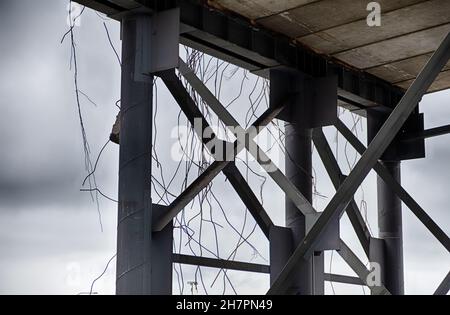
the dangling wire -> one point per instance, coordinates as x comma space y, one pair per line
93, 189
102, 274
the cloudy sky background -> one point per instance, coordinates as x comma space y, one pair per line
50, 239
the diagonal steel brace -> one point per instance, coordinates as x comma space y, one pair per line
213, 170
192, 112
336, 176
444, 287
261, 157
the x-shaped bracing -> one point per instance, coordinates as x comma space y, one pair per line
346, 190
189, 108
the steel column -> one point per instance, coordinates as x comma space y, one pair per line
298, 162
390, 230
135, 205
389, 212
139, 270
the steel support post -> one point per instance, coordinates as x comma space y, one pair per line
143, 258
390, 230
389, 212
314, 105
298, 162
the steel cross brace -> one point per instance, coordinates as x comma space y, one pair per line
236, 179
359, 268
285, 184
444, 287
216, 167
336, 176
397, 188
274, 172
208, 175
376, 148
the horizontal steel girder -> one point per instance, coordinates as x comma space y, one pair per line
239, 42
219, 263
250, 267
428, 133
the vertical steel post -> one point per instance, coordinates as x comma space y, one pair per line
390, 230
389, 211
143, 263
298, 163
313, 106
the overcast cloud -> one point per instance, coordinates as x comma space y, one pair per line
50, 238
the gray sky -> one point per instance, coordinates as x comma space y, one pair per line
50, 239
